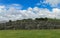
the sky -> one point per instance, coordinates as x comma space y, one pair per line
24, 9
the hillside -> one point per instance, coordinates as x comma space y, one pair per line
38, 23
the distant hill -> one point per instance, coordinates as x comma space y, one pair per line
3, 21
27, 24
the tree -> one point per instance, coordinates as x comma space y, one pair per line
10, 20
46, 18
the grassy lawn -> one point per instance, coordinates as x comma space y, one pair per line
29, 33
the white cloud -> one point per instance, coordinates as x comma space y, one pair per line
2, 6
53, 2
18, 14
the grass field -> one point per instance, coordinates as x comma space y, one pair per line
29, 33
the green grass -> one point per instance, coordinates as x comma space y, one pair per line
29, 33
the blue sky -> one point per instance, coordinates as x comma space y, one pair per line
24, 9
26, 3
29, 3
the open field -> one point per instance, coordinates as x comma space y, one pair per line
29, 33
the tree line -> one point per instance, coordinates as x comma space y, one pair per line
28, 24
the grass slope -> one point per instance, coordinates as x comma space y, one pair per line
30, 34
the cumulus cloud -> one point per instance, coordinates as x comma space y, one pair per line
13, 13
2, 6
